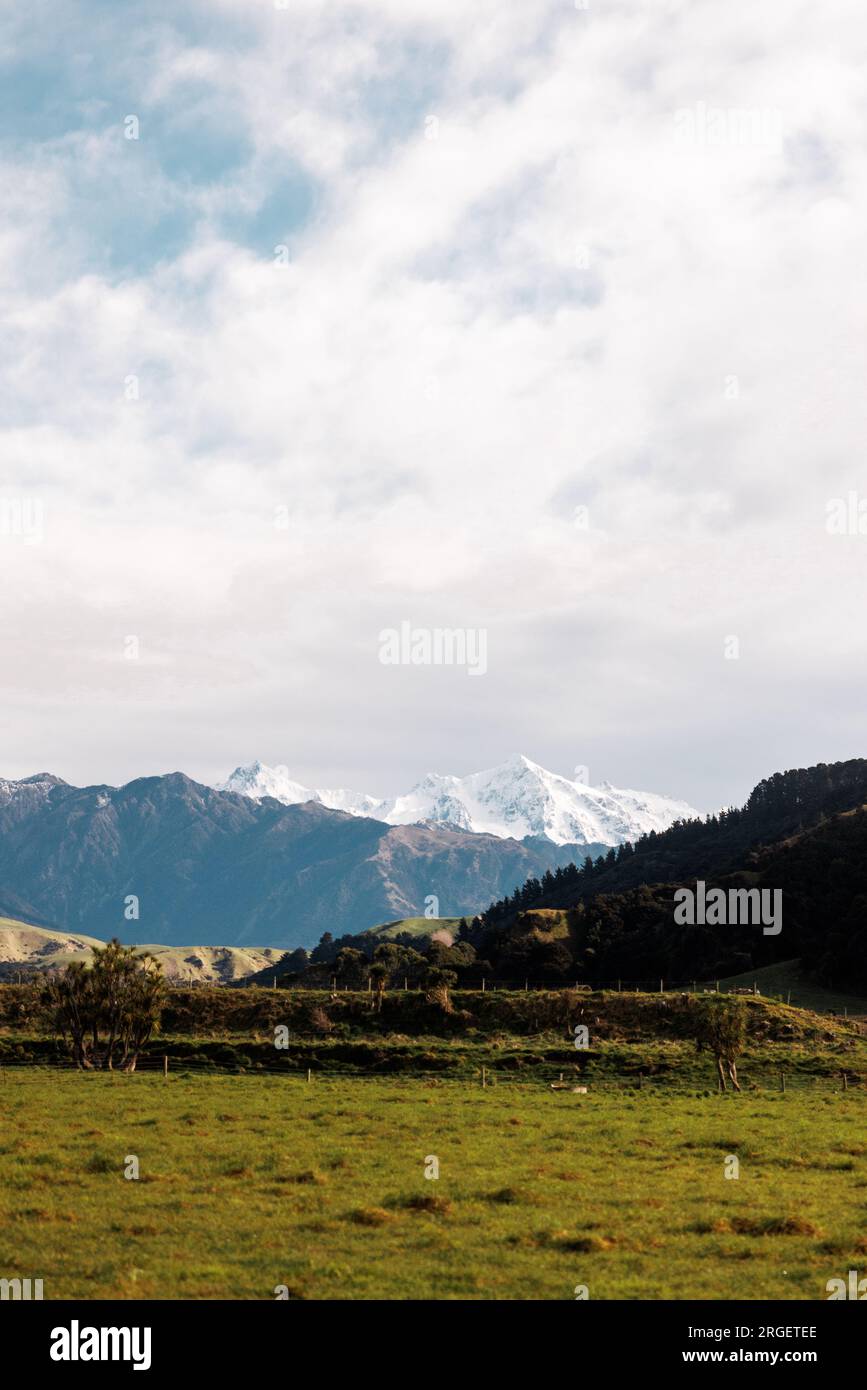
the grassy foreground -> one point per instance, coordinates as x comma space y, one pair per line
247, 1183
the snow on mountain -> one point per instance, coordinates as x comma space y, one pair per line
356, 803
257, 780
516, 799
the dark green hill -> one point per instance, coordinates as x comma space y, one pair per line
803, 832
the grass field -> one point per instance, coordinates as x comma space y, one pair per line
786, 980
421, 927
251, 1182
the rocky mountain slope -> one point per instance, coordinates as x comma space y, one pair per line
198, 864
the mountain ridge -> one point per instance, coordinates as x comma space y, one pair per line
516, 799
227, 870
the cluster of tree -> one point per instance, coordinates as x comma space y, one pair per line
778, 807
620, 905
106, 1011
354, 961
630, 936
789, 835
824, 877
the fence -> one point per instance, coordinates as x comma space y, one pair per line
487, 984
540, 1075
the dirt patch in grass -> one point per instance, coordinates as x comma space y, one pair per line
435, 1206
101, 1163
371, 1216
760, 1226
580, 1244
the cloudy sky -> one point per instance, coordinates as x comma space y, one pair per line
533, 318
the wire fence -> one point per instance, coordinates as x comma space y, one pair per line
550, 1076
335, 987
486, 985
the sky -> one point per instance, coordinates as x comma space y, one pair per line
539, 323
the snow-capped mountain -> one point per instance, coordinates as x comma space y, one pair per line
516, 799
258, 780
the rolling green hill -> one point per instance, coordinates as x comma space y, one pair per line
788, 982
419, 927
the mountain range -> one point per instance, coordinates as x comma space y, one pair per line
197, 864
516, 799
272, 863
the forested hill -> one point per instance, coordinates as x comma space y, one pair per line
802, 832
793, 833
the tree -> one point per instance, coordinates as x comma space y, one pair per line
401, 962
379, 976
721, 1026
349, 967
438, 982
108, 1010
454, 957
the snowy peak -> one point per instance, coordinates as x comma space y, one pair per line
518, 798
257, 780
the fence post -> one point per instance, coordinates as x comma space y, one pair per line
308, 1076
405, 983
717, 983
483, 984
783, 1082
845, 1082
661, 983
165, 1066
484, 1078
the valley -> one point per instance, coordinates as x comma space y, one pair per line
527, 1102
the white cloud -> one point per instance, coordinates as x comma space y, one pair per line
557, 301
